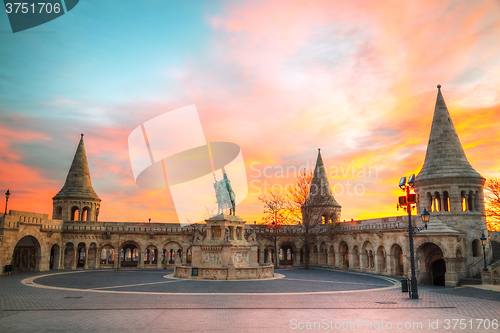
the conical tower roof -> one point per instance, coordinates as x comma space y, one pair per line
320, 192
445, 156
78, 184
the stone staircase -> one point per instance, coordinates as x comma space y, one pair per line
476, 279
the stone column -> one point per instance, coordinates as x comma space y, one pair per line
61, 257
338, 260
450, 277
184, 257
158, 258
262, 260
233, 232
141, 259
117, 264
98, 257
86, 264
296, 258
75, 257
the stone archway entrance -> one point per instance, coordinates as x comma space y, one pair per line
54, 257
438, 271
129, 256
26, 256
432, 267
286, 254
397, 260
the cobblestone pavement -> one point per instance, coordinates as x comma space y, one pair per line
147, 301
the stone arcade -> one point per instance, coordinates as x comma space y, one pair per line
449, 250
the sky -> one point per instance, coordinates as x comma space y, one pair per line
280, 79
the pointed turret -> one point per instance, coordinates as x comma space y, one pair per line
320, 192
78, 183
77, 200
445, 156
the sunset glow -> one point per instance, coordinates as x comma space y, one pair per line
278, 78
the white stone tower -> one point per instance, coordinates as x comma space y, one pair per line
77, 201
320, 198
448, 186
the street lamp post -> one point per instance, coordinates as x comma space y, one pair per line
407, 201
7, 195
483, 243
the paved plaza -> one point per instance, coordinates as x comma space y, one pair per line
296, 300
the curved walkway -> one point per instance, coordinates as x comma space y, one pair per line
287, 281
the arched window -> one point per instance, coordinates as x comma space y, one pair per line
281, 254
446, 201
75, 214
463, 200
471, 201
429, 202
437, 202
58, 215
476, 202
288, 254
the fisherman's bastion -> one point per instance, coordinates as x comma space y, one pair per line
447, 252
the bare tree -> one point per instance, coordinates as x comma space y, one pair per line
311, 204
276, 215
492, 202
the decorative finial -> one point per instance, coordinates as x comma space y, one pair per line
82, 135
439, 86
319, 149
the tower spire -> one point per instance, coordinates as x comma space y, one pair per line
445, 156
320, 192
78, 183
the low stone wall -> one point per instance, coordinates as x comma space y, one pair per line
224, 273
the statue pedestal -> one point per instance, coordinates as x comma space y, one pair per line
224, 254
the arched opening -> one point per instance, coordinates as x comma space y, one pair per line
86, 213
432, 266
189, 255
355, 255
438, 271
268, 251
26, 256
58, 215
151, 255
54, 257
398, 263
470, 201
429, 202
80, 261
344, 256
381, 259
475, 248
129, 255
107, 256
287, 254
463, 200
368, 257
75, 213
446, 201
437, 202
170, 251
